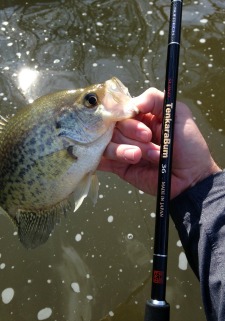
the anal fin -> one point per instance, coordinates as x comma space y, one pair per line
34, 228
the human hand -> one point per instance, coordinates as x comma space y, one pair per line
133, 153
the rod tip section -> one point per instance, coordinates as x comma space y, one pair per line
157, 312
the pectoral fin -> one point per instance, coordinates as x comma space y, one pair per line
88, 186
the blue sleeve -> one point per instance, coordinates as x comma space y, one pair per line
199, 216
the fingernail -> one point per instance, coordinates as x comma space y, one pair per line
128, 154
143, 135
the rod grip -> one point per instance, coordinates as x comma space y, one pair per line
156, 312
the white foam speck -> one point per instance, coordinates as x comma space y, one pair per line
44, 314
182, 264
89, 297
110, 219
78, 237
179, 244
56, 61
202, 40
75, 286
130, 236
2, 266
94, 64
100, 24
153, 215
111, 314
161, 32
204, 20
7, 295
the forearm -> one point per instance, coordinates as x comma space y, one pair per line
199, 216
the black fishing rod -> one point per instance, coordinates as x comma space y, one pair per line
157, 309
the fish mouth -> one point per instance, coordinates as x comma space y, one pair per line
117, 86
118, 101
120, 93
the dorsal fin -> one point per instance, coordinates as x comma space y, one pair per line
34, 228
3, 122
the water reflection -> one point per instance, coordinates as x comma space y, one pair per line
96, 264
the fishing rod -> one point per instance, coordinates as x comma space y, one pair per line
157, 309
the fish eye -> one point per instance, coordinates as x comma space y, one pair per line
90, 100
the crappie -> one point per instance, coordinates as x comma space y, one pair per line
50, 150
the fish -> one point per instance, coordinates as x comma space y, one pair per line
50, 150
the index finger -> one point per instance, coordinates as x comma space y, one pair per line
151, 101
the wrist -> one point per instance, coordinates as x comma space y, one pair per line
212, 169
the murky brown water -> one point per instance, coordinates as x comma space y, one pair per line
97, 263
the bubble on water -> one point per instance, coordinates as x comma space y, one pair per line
111, 314
182, 263
56, 61
76, 287
161, 32
7, 295
78, 237
89, 297
2, 266
44, 314
110, 219
202, 40
98, 23
153, 215
204, 21
94, 64
130, 236
179, 244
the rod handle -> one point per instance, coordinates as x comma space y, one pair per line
157, 311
